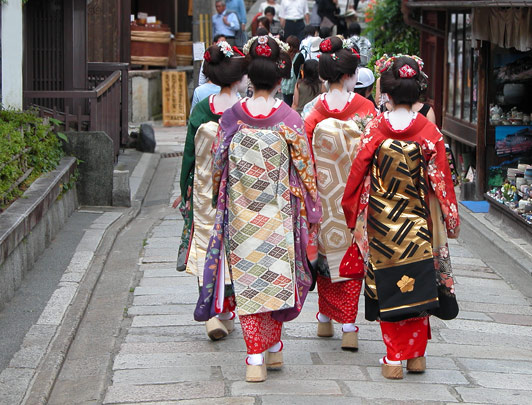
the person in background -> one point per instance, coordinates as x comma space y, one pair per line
202, 92
325, 32
308, 87
400, 188
364, 85
238, 7
363, 44
225, 22
275, 25
328, 11
294, 15
310, 34
227, 68
288, 85
202, 78
270, 3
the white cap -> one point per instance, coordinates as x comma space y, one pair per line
365, 78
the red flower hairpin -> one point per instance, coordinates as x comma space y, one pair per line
281, 64
326, 45
207, 56
237, 51
406, 72
263, 50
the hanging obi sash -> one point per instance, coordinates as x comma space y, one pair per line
401, 274
203, 211
334, 144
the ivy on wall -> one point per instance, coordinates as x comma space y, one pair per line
29, 147
390, 34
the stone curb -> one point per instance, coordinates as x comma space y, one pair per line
47, 371
504, 248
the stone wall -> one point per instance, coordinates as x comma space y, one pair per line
31, 222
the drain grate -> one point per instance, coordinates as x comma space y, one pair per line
171, 155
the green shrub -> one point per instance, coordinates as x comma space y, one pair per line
27, 142
386, 27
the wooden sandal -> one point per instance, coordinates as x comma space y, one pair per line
416, 365
216, 330
274, 361
350, 341
325, 329
255, 373
391, 371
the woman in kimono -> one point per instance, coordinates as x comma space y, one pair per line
334, 122
265, 190
225, 67
400, 186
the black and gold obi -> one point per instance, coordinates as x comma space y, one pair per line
400, 282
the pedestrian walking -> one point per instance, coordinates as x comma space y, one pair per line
225, 22
362, 43
308, 87
333, 123
265, 190
226, 68
288, 84
400, 181
294, 15
364, 86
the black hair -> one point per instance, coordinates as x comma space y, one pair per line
354, 29
217, 37
269, 9
310, 30
325, 32
362, 90
261, 31
344, 61
222, 70
311, 75
402, 90
265, 71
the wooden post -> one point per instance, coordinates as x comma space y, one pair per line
483, 61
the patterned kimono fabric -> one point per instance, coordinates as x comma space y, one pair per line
265, 168
401, 274
334, 136
203, 211
402, 281
196, 192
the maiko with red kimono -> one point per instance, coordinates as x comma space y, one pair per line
400, 202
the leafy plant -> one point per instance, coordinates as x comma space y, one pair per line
28, 148
386, 27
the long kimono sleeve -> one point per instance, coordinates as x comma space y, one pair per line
219, 162
441, 181
189, 157
355, 182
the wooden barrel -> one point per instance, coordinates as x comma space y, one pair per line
183, 53
150, 45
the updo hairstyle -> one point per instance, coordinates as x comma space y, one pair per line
335, 60
265, 67
402, 90
223, 70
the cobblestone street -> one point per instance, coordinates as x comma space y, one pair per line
483, 356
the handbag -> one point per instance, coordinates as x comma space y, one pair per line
326, 23
352, 264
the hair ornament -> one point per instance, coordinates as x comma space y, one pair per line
281, 64
346, 44
237, 51
207, 56
355, 53
406, 72
262, 39
263, 50
326, 45
334, 56
225, 48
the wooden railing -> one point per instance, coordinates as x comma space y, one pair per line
102, 108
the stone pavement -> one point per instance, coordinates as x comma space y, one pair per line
483, 356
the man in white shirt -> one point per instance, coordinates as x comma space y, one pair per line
294, 14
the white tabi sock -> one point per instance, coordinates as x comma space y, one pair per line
276, 347
226, 316
349, 327
323, 318
390, 362
255, 359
